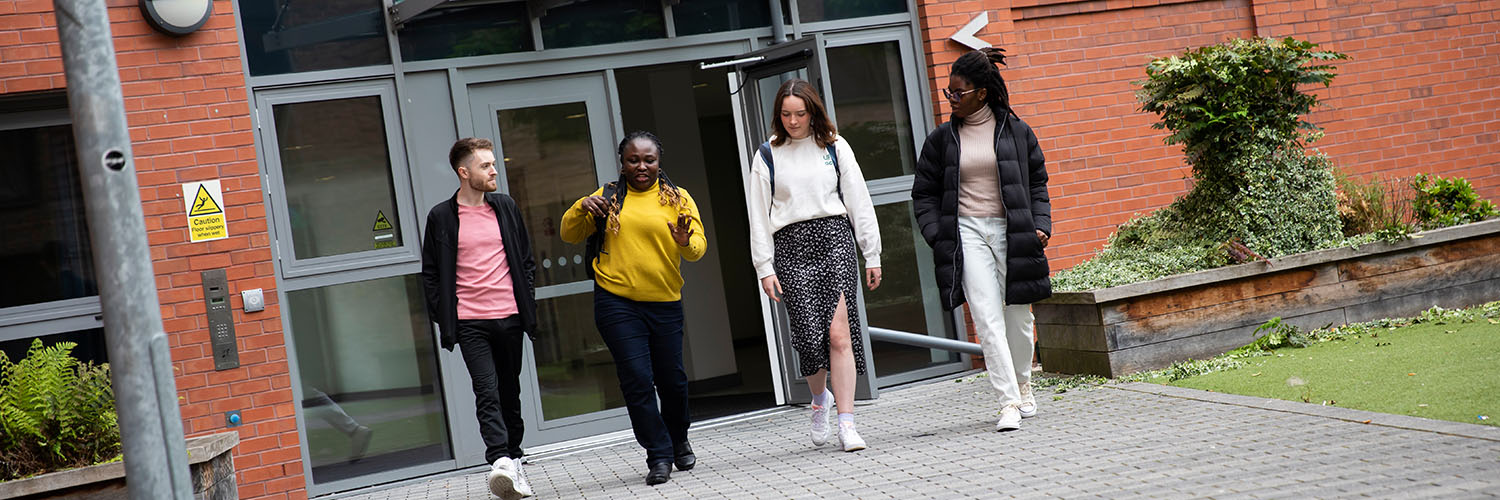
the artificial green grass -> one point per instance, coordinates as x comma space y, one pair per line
1446, 371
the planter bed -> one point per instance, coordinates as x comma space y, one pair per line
209, 461
1150, 325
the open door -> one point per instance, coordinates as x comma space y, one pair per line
756, 77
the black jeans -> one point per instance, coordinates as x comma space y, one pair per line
645, 339
492, 351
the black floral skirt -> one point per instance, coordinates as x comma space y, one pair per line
816, 263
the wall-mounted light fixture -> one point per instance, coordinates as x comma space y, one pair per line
177, 17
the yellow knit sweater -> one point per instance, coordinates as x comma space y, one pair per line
642, 262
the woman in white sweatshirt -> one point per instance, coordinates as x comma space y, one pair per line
808, 208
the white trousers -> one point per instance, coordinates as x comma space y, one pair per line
1005, 331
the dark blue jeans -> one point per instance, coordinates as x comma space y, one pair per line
645, 339
492, 351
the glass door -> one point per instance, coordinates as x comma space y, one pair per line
555, 143
364, 366
758, 78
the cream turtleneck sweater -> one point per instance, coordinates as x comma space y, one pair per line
978, 170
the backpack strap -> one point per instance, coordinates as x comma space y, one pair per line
765, 156
838, 177
595, 243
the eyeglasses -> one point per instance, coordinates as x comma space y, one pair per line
955, 96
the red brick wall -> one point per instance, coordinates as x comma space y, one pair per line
1419, 93
189, 120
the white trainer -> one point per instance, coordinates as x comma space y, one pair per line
503, 479
1028, 401
1010, 419
850, 437
820, 429
522, 485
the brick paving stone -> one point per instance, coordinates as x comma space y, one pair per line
1120, 441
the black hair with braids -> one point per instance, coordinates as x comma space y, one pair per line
667, 194
978, 67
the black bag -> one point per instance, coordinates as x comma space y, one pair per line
595, 244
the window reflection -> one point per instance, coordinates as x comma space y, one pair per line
287, 36
367, 360
575, 373
548, 156
598, 22
477, 30
336, 169
905, 301
869, 96
710, 16
827, 10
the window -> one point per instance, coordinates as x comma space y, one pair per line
602, 21
827, 10
286, 36
477, 30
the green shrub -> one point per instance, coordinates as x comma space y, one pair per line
1443, 202
1237, 110
55, 413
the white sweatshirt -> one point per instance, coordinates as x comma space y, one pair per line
805, 190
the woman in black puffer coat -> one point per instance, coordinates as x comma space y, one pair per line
980, 197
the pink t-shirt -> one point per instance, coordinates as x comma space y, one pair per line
484, 284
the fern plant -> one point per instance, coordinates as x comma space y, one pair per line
55, 412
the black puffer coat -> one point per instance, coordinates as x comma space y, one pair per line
1023, 189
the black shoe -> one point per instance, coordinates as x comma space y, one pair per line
685, 457
659, 473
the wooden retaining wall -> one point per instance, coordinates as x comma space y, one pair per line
1146, 326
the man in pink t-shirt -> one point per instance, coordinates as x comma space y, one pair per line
477, 271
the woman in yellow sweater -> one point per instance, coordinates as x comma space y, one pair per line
638, 293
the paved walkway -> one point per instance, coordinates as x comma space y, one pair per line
1120, 441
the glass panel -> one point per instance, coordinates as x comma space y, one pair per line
337, 171
869, 96
602, 21
904, 302
285, 36
90, 346
827, 10
478, 30
369, 377
708, 16
44, 250
574, 370
549, 164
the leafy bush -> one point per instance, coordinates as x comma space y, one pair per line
1443, 202
55, 413
1236, 109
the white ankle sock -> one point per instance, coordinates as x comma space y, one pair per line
846, 418
824, 399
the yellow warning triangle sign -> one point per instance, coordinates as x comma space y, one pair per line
381, 223
204, 204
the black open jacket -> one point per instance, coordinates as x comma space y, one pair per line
440, 263
1023, 190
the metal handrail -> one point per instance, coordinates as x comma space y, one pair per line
930, 342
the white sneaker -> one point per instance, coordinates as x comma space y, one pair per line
850, 437
522, 485
820, 429
503, 479
1010, 419
1028, 401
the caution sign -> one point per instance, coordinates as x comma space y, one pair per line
385, 233
205, 211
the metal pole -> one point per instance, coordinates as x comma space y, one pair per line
778, 30
912, 339
145, 392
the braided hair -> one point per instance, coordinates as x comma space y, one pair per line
667, 194
978, 67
